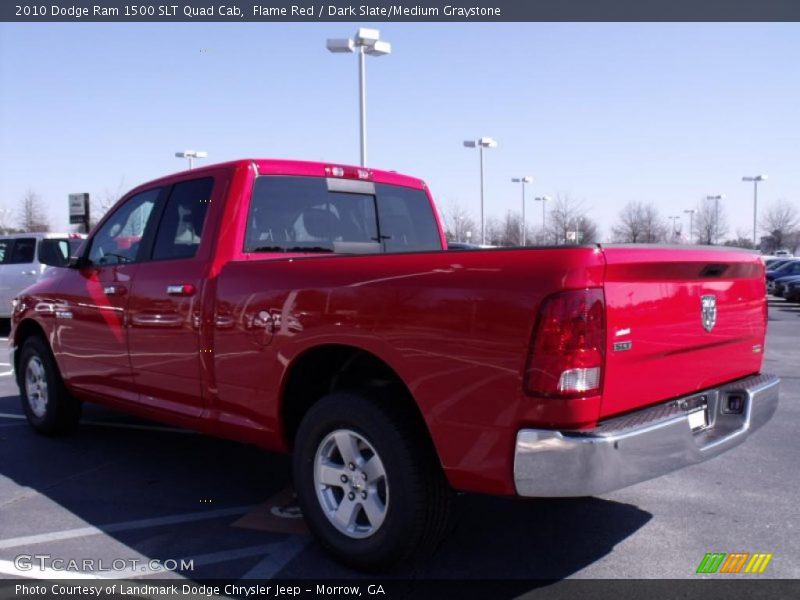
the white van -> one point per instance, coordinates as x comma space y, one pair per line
20, 264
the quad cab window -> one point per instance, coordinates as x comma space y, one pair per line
302, 214
181, 225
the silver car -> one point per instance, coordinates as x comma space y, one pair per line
20, 264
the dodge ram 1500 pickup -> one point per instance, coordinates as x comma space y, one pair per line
312, 308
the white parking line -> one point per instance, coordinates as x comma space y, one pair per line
7, 567
11, 416
80, 532
281, 554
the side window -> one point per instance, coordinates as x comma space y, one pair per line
23, 251
118, 240
5, 250
181, 226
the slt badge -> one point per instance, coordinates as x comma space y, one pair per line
709, 311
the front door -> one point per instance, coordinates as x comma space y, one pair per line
91, 311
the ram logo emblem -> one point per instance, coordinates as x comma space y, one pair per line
709, 311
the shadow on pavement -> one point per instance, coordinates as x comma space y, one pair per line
106, 475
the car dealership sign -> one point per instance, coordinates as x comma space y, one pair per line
78, 209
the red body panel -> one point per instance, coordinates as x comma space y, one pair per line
455, 327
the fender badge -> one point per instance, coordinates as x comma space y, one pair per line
622, 346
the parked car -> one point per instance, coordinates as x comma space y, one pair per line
792, 291
462, 246
779, 284
311, 308
23, 258
790, 268
783, 253
773, 263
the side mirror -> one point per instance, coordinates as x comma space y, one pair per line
54, 252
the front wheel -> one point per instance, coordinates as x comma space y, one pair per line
49, 408
368, 481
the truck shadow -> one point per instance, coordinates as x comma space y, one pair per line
104, 474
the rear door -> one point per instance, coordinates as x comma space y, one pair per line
165, 303
93, 301
679, 321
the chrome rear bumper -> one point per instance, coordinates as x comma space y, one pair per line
641, 445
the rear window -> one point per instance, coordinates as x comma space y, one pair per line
300, 214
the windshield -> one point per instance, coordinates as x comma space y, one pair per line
300, 214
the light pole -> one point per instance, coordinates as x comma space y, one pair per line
691, 212
674, 220
716, 200
755, 181
366, 41
191, 155
523, 181
480, 144
543, 199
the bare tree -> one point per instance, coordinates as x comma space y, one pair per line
781, 222
706, 227
640, 223
567, 222
32, 216
494, 232
100, 206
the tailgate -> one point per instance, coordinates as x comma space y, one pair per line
679, 320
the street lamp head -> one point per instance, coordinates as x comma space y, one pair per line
542, 198
690, 211
378, 49
367, 37
487, 142
201, 154
184, 154
717, 197
470, 143
337, 45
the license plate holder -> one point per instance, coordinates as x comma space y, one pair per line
698, 418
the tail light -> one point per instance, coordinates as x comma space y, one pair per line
568, 346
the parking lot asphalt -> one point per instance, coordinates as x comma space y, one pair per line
123, 489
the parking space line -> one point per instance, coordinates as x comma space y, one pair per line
80, 532
7, 567
11, 416
278, 558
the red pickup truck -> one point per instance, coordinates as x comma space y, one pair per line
313, 308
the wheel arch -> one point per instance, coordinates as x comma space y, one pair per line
24, 330
327, 368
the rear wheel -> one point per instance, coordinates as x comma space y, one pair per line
49, 408
368, 481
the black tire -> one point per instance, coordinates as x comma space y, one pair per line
60, 412
419, 498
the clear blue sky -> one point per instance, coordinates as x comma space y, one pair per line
605, 112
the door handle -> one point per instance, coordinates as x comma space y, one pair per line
183, 289
114, 290
31, 272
